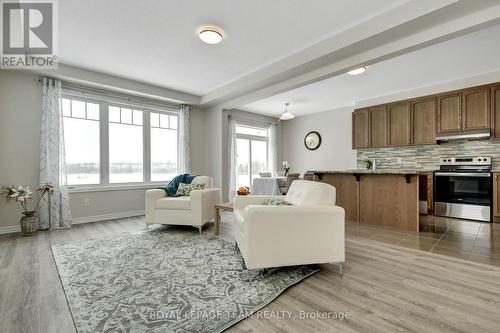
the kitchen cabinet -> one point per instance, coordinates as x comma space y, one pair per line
399, 124
360, 129
449, 113
423, 120
378, 127
496, 195
476, 109
495, 112
346, 192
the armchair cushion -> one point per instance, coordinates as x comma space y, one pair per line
310, 193
176, 203
172, 186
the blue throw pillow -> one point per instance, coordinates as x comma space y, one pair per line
172, 186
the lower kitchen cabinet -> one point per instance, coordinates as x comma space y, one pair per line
496, 195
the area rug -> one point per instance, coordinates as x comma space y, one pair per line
165, 280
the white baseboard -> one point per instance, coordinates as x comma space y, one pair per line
10, 230
86, 219
104, 217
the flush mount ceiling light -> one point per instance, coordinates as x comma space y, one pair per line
357, 71
287, 115
211, 35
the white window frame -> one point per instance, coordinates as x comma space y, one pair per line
251, 138
104, 184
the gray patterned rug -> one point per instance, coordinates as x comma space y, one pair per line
164, 280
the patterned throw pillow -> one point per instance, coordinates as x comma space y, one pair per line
277, 202
195, 187
183, 189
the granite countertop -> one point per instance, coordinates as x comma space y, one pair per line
378, 171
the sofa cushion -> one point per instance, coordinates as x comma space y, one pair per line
183, 189
310, 193
171, 187
180, 203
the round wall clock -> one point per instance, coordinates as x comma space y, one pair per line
312, 141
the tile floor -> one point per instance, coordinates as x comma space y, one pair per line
469, 240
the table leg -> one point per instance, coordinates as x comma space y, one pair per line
216, 220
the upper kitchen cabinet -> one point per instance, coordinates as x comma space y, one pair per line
378, 126
360, 129
449, 113
399, 124
495, 112
476, 109
423, 120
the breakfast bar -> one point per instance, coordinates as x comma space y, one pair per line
389, 198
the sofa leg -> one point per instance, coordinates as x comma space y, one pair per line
200, 228
341, 269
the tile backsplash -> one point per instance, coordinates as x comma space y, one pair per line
427, 157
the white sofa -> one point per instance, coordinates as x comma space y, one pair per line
196, 209
310, 231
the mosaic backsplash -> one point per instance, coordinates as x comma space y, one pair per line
427, 157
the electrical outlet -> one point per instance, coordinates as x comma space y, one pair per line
86, 202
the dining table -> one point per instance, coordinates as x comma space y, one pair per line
268, 185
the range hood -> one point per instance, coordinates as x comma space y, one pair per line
469, 135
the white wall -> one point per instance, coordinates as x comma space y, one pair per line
20, 115
335, 152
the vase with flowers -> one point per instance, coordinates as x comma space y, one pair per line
286, 167
29, 220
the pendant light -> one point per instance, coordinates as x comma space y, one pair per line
287, 115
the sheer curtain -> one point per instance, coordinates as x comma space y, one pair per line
273, 148
184, 143
232, 156
54, 210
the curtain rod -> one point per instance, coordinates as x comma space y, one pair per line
249, 120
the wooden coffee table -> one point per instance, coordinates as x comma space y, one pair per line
217, 209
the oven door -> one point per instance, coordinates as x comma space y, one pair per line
463, 194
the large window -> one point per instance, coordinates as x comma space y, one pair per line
251, 153
108, 143
82, 144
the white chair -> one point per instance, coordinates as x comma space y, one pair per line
195, 209
265, 174
310, 231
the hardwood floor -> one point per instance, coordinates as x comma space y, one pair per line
382, 287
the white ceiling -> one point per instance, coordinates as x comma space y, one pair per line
462, 57
156, 41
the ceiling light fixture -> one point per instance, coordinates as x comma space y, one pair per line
357, 71
287, 115
211, 35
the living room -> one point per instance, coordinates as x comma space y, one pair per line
326, 166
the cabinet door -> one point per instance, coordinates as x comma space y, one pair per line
476, 109
496, 195
378, 127
495, 112
449, 116
399, 124
423, 122
360, 129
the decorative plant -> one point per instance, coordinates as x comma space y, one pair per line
286, 167
24, 194
368, 164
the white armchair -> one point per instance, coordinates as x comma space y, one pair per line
310, 231
196, 209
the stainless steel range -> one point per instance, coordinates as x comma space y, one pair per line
463, 188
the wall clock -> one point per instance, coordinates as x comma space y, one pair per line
312, 141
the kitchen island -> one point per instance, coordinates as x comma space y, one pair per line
388, 198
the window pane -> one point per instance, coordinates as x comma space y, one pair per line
259, 157
81, 138
66, 107
163, 121
155, 119
92, 111
125, 153
173, 122
251, 130
242, 162
126, 116
137, 117
78, 109
163, 154
114, 114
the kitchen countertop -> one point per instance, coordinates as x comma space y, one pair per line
378, 172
